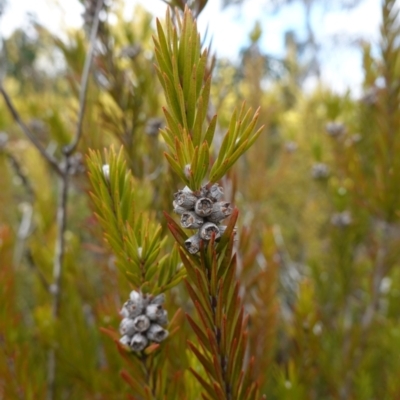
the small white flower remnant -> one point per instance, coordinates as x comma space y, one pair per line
202, 210
144, 318
106, 171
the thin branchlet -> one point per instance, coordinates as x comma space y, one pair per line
27, 132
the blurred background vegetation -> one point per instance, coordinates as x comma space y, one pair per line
318, 232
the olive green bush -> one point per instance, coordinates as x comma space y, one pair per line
170, 229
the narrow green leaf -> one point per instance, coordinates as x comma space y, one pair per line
209, 136
176, 167
162, 60
198, 123
207, 364
220, 394
182, 158
205, 95
164, 48
173, 125
191, 100
204, 303
201, 66
201, 336
209, 389
172, 98
238, 362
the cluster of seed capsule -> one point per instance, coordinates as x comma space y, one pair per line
144, 317
202, 210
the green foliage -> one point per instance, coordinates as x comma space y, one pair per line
135, 240
182, 71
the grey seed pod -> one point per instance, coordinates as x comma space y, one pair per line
131, 309
370, 96
193, 244
291, 146
156, 333
204, 192
154, 311
216, 192
163, 319
153, 126
185, 199
141, 323
220, 211
206, 231
178, 209
139, 342
160, 299
203, 207
125, 340
320, 171
191, 220
127, 327
341, 219
335, 129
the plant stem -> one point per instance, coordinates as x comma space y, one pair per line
55, 288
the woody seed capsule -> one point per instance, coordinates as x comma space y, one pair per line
320, 171
163, 319
158, 299
341, 219
139, 342
193, 244
156, 333
191, 220
216, 192
131, 309
335, 129
141, 323
203, 207
154, 311
127, 327
220, 211
185, 199
178, 209
207, 230
125, 340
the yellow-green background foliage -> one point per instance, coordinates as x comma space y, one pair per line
318, 256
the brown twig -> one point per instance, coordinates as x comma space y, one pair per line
68, 150
33, 139
19, 172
